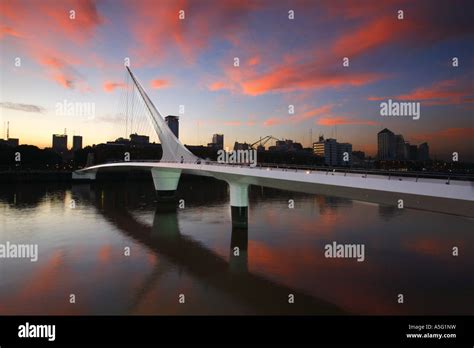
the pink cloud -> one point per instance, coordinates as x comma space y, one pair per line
217, 86
46, 33
111, 86
255, 60
5, 30
444, 92
159, 83
341, 120
160, 34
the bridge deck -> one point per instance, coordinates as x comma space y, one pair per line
292, 179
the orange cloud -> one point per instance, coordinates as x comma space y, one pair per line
296, 73
158, 83
159, 32
375, 27
110, 86
5, 30
81, 27
216, 86
50, 37
371, 35
51, 20
305, 76
314, 112
439, 93
442, 93
340, 120
273, 121
53, 61
254, 61
64, 80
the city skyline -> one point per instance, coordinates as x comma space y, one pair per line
75, 143
282, 62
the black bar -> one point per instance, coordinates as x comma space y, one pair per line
137, 330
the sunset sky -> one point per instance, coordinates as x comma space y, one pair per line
190, 62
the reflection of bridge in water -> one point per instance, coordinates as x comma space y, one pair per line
231, 277
422, 192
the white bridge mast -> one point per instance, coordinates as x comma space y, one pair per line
173, 149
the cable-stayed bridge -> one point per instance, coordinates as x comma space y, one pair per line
422, 192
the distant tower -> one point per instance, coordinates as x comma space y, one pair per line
173, 124
76, 142
59, 143
386, 145
218, 140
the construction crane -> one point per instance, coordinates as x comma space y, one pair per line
263, 141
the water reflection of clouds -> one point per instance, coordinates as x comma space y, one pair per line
406, 249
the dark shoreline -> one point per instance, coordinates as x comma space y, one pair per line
31, 176
15, 176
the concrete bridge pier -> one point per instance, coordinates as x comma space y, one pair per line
166, 182
239, 203
238, 259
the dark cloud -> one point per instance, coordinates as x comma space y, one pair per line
22, 107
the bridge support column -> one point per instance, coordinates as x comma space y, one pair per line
238, 259
166, 182
239, 202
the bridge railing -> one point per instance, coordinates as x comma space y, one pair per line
328, 170
365, 172
362, 172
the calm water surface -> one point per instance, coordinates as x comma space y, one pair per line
190, 251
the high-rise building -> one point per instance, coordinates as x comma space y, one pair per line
344, 154
401, 152
358, 157
326, 148
241, 146
334, 153
173, 124
13, 142
386, 145
60, 142
412, 152
139, 139
218, 141
423, 152
286, 145
76, 142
